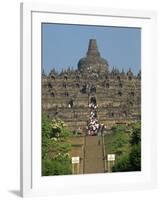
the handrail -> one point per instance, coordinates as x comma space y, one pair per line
84, 146
104, 153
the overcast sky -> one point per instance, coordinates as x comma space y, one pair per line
63, 46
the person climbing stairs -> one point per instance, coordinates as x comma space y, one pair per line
93, 151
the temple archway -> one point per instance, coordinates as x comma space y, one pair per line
93, 100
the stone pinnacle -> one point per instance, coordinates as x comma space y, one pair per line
92, 48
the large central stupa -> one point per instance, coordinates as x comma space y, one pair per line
93, 61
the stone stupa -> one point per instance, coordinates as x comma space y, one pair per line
93, 61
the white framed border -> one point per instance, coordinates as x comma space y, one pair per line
32, 183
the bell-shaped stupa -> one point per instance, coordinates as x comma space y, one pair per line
93, 61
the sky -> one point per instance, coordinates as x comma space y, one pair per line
63, 45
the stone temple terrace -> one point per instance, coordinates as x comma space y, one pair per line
92, 94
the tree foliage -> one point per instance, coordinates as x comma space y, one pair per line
46, 131
136, 133
135, 157
121, 139
60, 165
130, 158
59, 129
122, 164
55, 148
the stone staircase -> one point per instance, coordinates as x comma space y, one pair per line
93, 155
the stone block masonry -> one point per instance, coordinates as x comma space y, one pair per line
67, 95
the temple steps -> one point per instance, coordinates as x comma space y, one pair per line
93, 160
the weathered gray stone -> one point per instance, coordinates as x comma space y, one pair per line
117, 94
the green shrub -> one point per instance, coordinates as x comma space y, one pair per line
60, 165
122, 164
135, 157
127, 149
136, 133
59, 129
55, 148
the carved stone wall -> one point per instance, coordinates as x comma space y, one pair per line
67, 95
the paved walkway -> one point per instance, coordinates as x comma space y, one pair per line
93, 155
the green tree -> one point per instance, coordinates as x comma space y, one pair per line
60, 165
59, 129
130, 158
46, 126
55, 151
122, 164
118, 128
136, 133
135, 157
46, 132
120, 144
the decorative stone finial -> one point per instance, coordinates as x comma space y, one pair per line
92, 48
